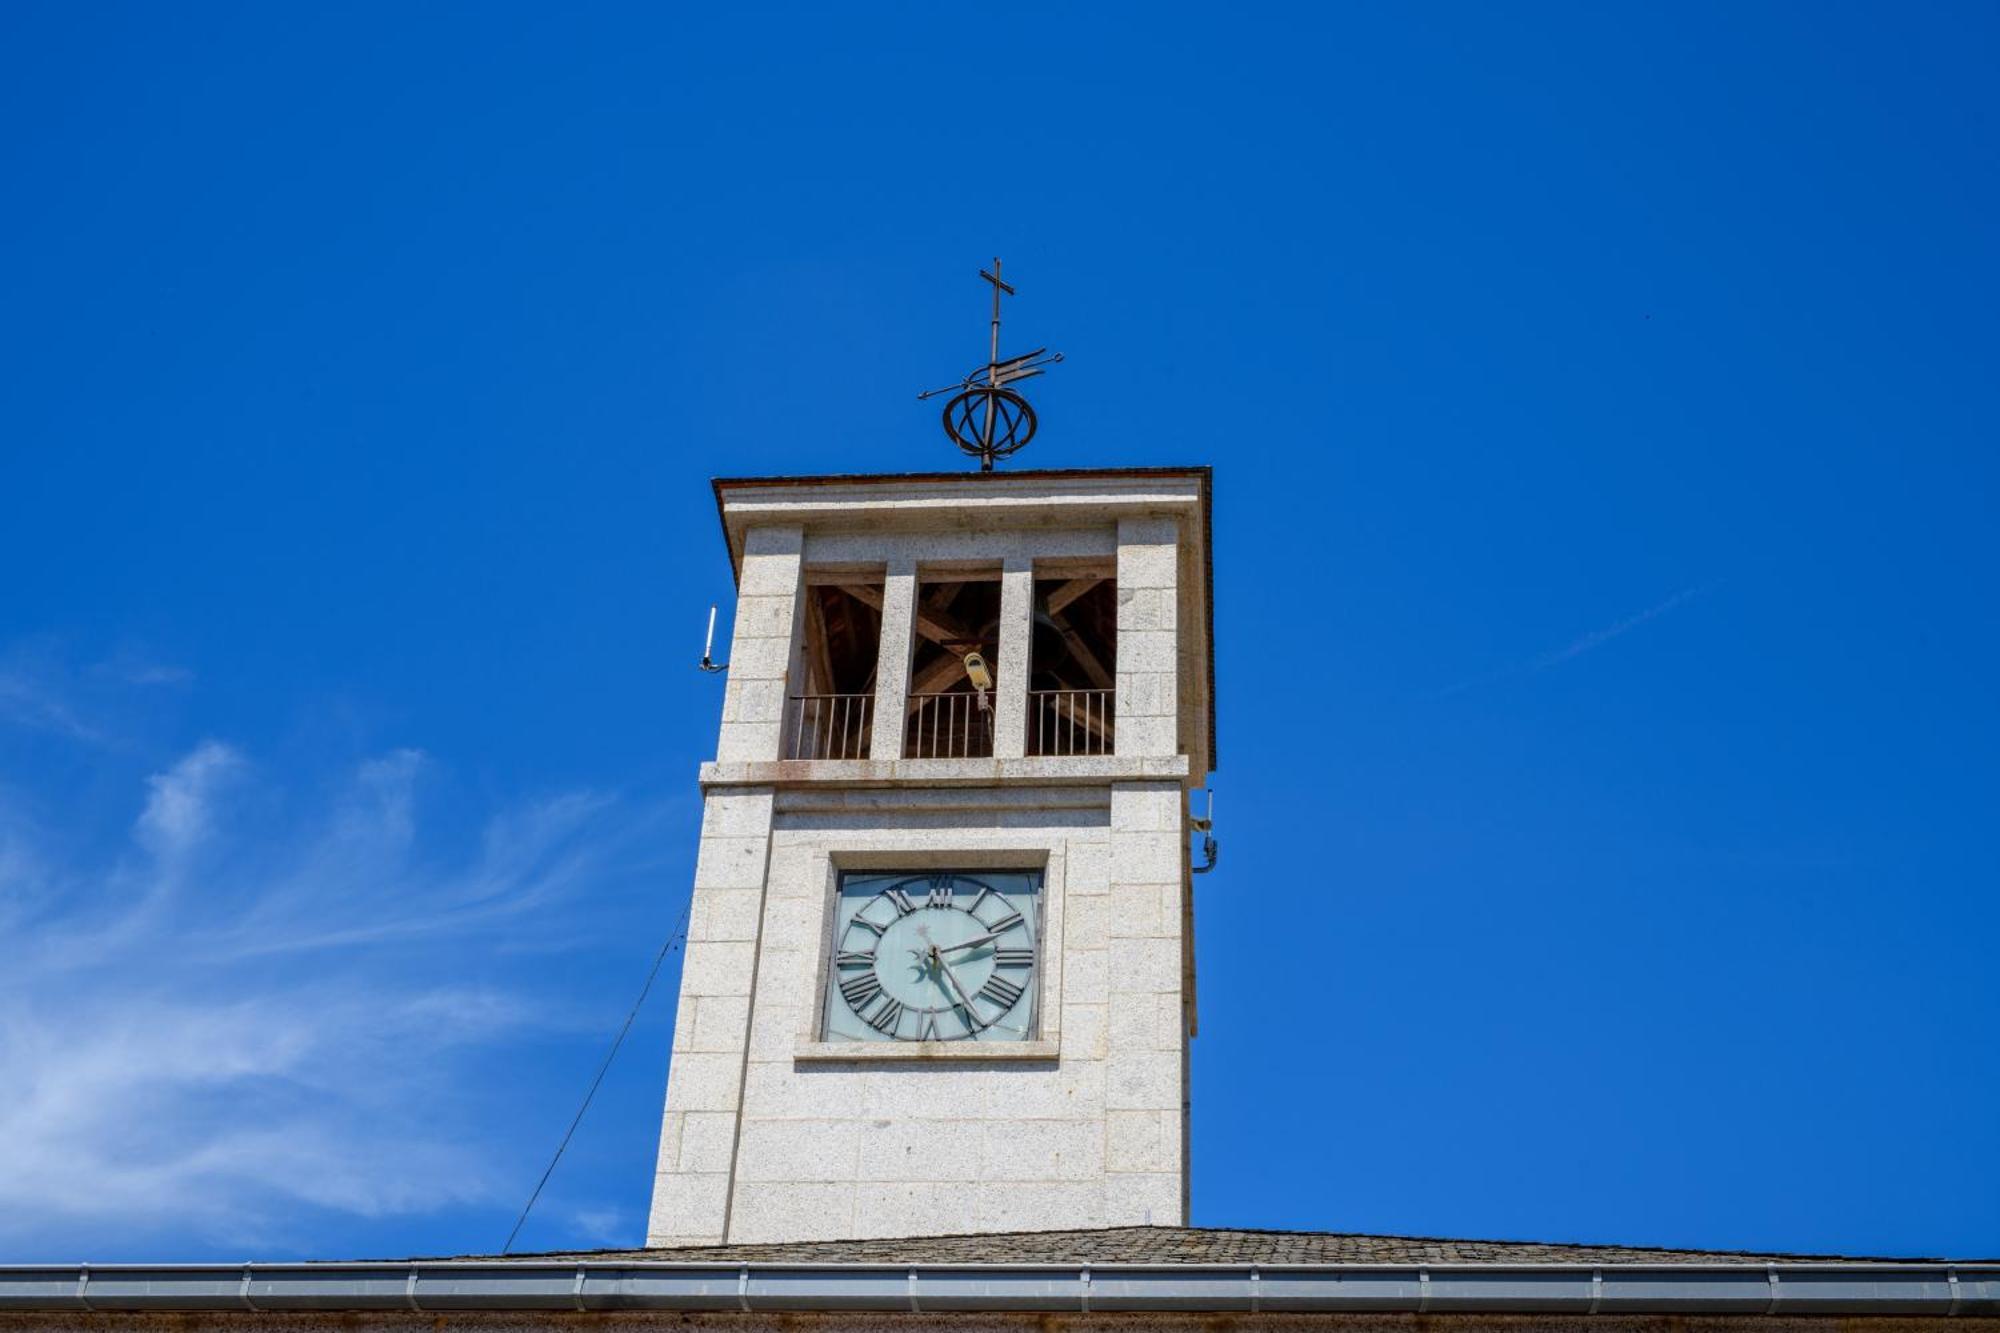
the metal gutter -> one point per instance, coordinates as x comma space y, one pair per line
1830, 1288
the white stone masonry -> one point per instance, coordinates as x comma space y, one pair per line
768, 593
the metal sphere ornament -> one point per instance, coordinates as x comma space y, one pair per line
984, 418
989, 423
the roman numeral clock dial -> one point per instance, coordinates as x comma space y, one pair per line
934, 957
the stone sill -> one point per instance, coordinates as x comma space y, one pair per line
945, 772
920, 1052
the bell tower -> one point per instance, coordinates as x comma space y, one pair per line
939, 973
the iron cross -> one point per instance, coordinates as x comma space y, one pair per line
993, 358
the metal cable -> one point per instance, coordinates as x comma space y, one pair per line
677, 938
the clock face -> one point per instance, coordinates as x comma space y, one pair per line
935, 956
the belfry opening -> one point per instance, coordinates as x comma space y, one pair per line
954, 666
1073, 667
832, 711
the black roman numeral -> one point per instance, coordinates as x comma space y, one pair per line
1008, 922
927, 1028
900, 900
860, 990
940, 894
1013, 958
853, 958
885, 1018
1001, 991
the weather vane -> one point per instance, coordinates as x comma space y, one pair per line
984, 417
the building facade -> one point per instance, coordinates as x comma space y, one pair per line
939, 974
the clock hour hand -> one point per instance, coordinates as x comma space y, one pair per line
971, 1014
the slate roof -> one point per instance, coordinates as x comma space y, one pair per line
1183, 1245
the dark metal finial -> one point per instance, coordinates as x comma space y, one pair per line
984, 417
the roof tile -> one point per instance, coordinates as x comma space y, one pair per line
1178, 1245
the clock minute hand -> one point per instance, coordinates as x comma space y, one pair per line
971, 1014
972, 943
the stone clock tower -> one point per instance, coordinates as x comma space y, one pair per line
939, 973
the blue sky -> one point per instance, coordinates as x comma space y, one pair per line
1602, 405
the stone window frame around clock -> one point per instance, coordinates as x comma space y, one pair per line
972, 855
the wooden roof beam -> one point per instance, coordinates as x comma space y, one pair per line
1081, 653
1062, 595
819, 653
932, 624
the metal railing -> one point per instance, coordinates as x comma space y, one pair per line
951, 725
1065, 722
830, 726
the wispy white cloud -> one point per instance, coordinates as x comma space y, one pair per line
179, 801
1576, 647
215, 1027
1597, 638
133, 672
29, 699
600, 1226
42, 689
